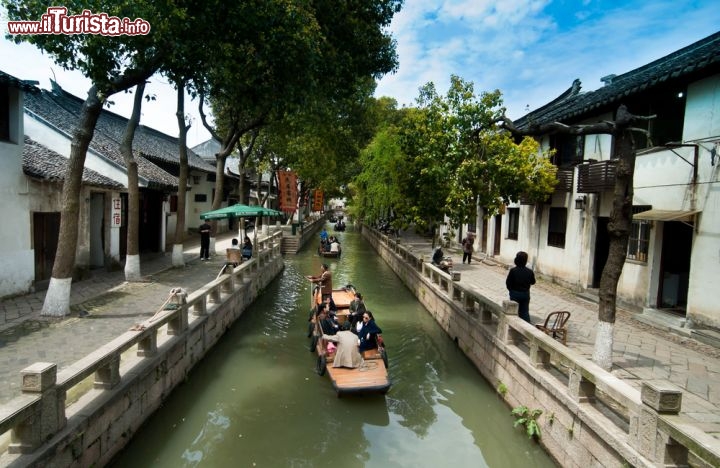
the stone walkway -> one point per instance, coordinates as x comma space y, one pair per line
105, 306
640, 352
102, 308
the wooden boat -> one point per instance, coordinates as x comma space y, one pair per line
326, 254
371, 376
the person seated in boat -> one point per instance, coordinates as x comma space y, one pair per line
247, 248
335, 246
327, 325
347, 353
324, 281
368, 333
330, 305
357, 309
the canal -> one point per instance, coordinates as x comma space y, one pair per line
256, 401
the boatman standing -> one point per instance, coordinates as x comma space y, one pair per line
324, 281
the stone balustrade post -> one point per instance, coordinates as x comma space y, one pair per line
148, 346
48, 416
538, 356
214, 295
581, 389
505, 332
227, 285
658, 398
179, 323
107, 376
199, 307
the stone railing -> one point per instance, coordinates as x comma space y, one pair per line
594, 413
41, 415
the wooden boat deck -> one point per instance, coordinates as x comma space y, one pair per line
371, 377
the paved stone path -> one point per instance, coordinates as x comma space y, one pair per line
105, 306
102, 308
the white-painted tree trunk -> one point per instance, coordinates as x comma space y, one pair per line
212, 246
178, 259
57, 298
602, 354
132, 268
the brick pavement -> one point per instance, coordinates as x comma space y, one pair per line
640, 351
102, 308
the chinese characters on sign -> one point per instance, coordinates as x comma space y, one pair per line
288, 191
116, 213
318, 201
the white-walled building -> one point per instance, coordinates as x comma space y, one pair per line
16, 254
674, 250
31, 174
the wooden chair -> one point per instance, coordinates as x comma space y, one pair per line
234, 256
556, 325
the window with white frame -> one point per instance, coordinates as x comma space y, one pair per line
513, 222
557, 227
639, 239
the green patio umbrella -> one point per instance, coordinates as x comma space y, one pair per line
240, 211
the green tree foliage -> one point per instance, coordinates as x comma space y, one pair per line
447, 155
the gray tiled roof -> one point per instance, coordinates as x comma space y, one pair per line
17, 83
692, 62
62, 110
43, 163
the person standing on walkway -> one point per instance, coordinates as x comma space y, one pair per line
205, 241
518, 282
468, 248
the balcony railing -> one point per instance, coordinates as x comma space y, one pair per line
596, 177
565, 180
564, 185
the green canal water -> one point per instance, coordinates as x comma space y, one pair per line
256, 401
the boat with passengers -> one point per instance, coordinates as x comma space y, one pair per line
370, 375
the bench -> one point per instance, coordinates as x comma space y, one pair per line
556, 325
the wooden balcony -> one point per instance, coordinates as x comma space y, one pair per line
564, 185
565, 180
596, 177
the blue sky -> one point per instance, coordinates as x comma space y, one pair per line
531, 50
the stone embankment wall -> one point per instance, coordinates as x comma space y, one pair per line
131, 376
589, 417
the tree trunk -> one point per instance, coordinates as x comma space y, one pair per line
219, 192
619, 230
178, 259
57, 298
132, 258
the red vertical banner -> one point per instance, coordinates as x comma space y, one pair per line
318, 201
288, 191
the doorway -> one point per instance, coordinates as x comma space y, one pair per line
46, 228
498, 233
97, 232
675, 267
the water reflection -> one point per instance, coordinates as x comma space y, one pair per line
256, 400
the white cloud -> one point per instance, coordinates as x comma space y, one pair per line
533, 49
